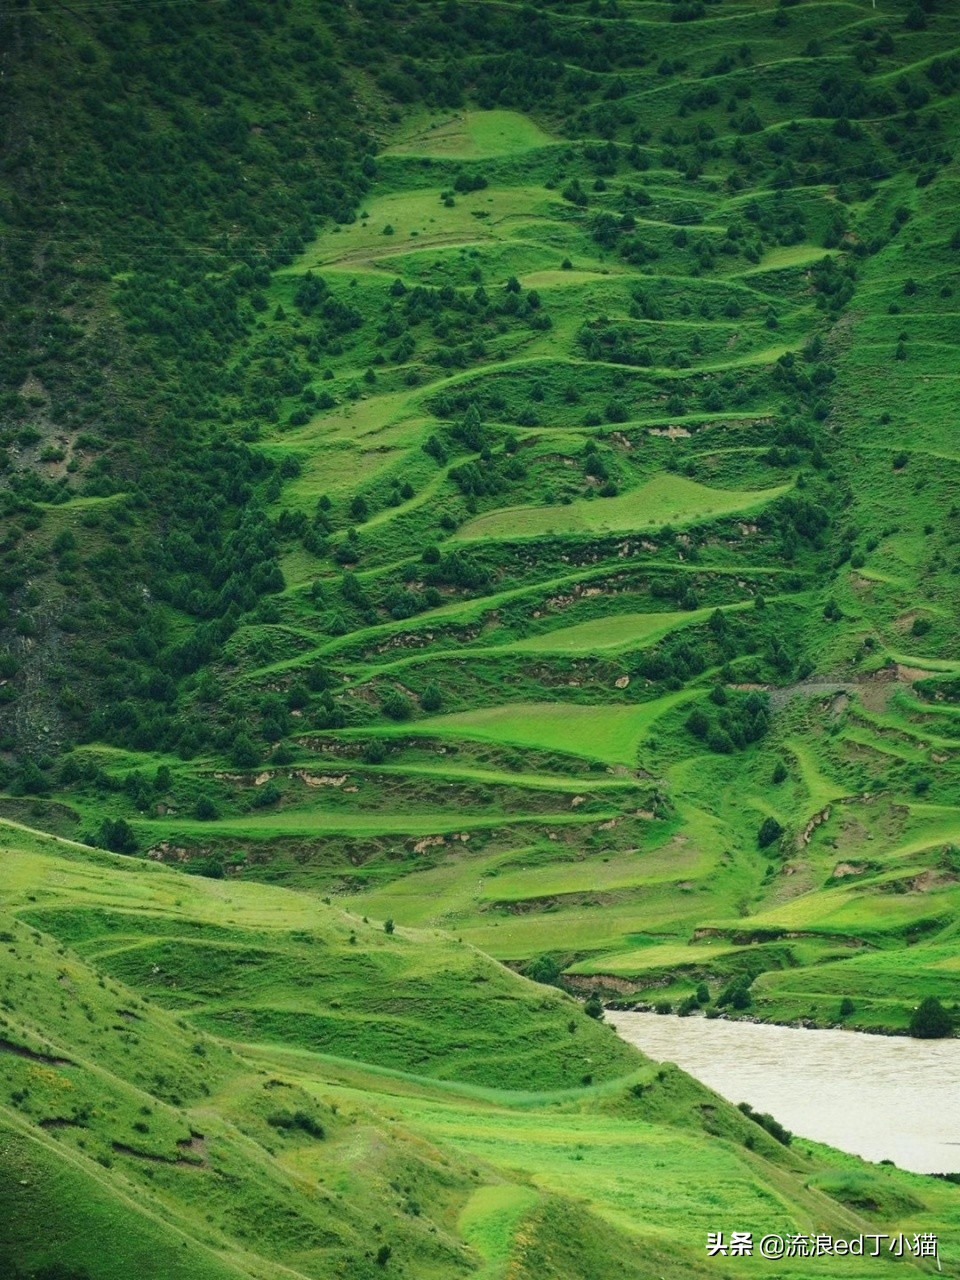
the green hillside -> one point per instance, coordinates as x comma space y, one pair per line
201, 1078
491, 469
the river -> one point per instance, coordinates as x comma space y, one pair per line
880, 1097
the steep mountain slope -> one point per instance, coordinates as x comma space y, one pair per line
134, 1140
488, 469
596, 468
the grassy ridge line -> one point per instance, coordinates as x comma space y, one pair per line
359, 1077
548, 782
471, 609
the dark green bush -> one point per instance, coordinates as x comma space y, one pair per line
931, 1021
766, 1121
593, 1007
770, 830
397, 706
302, 1120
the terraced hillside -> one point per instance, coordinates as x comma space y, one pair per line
224, 1080
614, 493
479, 484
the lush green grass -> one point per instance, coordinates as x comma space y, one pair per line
539, 781
626, 631
135, 1138
249, 975
314, 822
606, 440
471, 135
419, 220
611, 735
663, 500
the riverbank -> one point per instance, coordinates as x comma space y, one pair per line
880, 1097
809, 1023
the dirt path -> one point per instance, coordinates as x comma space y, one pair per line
810, 689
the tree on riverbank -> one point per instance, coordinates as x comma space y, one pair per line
930, 1020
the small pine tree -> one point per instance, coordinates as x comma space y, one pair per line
244, 754
117, 835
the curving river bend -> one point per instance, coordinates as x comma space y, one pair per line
880, 1097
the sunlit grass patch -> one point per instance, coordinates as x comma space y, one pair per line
666, 499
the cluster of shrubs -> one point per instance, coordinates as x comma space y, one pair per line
766, 1121
740, 719
301, 1120
736, 993
461, 321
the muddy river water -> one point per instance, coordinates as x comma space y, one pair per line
880, 1097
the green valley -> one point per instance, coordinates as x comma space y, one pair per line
480, 503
